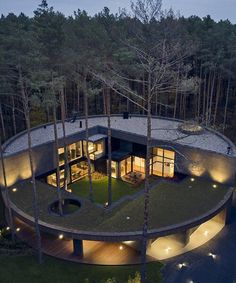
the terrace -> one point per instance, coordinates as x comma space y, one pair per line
170, 203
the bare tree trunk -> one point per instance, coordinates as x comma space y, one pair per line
146, 197
104, 100
211, 96
25, 100
78, 97
57, 161
226, 106
208, 99
108, 95
2, 123
217, 98
204, 98
87, 140
5, 192
199, 96
176, 95
13, 114
66, 175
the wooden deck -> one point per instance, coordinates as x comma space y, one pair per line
101, 253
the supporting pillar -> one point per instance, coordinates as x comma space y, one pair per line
78, 248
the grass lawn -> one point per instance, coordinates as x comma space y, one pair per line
119, 189
25, 269
170, 203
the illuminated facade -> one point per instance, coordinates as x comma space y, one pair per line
174, 151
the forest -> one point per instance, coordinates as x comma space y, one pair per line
187, 64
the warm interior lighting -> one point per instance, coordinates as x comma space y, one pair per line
121, 248
206, 233
18, 229
61, 236
14, 190
168, 249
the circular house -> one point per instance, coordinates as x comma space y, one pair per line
192, 172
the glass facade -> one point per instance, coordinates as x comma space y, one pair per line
125, 166
79, 170
163, 162
95, 149
52, 179
76, 172
74, 151
139, 164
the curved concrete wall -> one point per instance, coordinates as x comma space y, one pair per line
189, 160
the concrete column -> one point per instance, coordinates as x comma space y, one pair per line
78, 248
182, 237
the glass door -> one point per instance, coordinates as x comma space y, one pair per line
114, 169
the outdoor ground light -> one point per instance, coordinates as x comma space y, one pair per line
214, 186
192, 179
18, 229
181, 265
14, 190
212, 255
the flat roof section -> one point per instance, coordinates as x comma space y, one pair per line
162, 129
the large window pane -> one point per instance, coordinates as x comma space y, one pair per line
79, 170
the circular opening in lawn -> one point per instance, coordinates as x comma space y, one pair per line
69, 206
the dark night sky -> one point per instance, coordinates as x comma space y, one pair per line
218, 9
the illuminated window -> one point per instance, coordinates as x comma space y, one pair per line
95, 149
79, 170
74, 151
52, 179
139, 164
61, 155
163, 162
